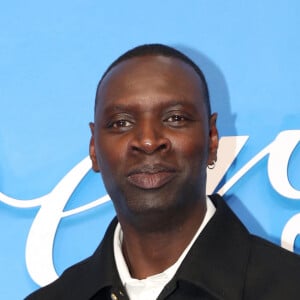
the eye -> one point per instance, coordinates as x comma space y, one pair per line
120, 124
176, 118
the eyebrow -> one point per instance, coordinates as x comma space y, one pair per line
165, 104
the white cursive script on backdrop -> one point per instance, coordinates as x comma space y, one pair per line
39, 246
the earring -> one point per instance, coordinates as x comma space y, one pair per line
212, 165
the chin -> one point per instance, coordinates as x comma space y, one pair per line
151, 214
149, 205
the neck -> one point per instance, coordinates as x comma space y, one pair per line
152, 248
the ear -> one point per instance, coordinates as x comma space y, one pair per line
213, 139
93, 156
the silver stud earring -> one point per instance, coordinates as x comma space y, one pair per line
212, 165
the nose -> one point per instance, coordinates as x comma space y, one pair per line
148, 137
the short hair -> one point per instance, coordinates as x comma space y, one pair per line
163, 50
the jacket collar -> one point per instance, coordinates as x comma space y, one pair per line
99, 271
217, 262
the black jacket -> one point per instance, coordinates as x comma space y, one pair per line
225, 262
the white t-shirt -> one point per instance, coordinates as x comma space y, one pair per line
150, 287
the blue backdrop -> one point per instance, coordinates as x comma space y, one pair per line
53, 209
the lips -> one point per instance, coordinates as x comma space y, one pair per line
151, 176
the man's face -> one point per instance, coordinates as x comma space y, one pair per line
152, 138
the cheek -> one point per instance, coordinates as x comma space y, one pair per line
192, 148
110, 154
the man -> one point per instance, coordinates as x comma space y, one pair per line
152, 140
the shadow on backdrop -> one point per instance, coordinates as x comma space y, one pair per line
220, 103
218, 90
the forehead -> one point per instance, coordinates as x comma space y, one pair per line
150, 77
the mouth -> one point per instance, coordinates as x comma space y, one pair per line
150, 177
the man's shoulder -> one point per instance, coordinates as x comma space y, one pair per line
85, 277
267, 254
260, 249
272, 272
68, 281
269, 270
